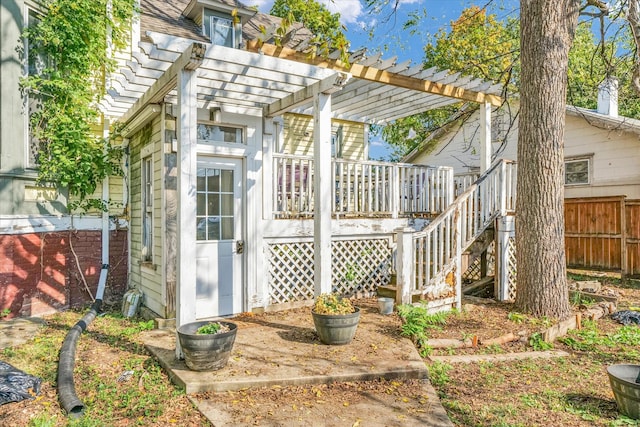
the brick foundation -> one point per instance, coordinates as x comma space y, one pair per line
39, 273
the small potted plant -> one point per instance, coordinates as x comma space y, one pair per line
207, 345
335, 319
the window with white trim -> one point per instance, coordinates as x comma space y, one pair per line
36, 64
147, 208
219, 28
212, 133
577, 171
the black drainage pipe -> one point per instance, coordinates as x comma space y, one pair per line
66, 388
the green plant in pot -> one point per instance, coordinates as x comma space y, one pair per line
207, 345
335, 318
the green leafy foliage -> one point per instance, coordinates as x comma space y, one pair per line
476, 44
417, 322
589, 338
209, 328
439, 374
482, 45
333, 304
73, 44
326, 27
538, 343
516, 317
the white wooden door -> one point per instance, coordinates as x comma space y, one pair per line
219, 237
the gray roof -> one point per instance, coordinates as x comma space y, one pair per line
165, 16
605, 121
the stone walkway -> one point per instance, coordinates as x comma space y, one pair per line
18, 331
280, 349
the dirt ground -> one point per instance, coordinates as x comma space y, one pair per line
100, 355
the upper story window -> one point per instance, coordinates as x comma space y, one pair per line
577, 171
35, 66
220, 28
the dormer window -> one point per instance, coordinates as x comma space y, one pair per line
220, 28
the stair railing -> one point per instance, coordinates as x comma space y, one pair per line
429, 261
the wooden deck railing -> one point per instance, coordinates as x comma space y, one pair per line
362, 188
428, 261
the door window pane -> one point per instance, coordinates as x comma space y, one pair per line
227, 181
227, 228
215, 204
213, 228
227, 204
202, 204
213, 179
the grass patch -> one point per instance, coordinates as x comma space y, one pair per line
110, 347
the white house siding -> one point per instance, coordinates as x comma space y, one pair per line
147, 277
615, 155
459, 146
298, 136
615, 161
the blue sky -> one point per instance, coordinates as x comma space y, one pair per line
389, 37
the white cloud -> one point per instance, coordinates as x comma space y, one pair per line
264, 6
349, 10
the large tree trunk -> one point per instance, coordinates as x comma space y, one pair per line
547, 28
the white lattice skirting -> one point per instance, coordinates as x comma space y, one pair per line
358, 266
512, 268
473, 273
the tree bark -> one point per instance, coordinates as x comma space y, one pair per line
547, 28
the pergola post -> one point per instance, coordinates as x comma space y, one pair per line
322, 181
485, 136
187, 171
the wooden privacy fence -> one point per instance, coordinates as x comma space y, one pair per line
603, 233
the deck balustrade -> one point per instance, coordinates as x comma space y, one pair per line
362, 188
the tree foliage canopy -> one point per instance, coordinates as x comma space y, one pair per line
476, 44
481, 45
326, 26
72, 42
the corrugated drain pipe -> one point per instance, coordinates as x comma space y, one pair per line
66, 387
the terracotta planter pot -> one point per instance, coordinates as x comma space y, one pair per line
206, 352
336, 329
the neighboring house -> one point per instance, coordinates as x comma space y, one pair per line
602, 177
602, 150
249, 184
43, 250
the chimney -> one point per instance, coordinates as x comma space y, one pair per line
608, 97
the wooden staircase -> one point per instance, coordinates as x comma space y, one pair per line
430, 262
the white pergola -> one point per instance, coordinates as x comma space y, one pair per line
277, 80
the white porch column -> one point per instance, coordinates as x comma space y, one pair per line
505, 228
187, 170
485, 137
405, 265
322, 182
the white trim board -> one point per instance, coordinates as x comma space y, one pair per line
20, 224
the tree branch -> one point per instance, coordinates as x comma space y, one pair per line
634, 23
